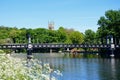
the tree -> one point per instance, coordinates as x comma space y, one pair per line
4, 32
52, 36
89, 37
109, 24
62, 36
76, 37
14, 33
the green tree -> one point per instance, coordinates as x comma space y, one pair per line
76, 37
14, 33
109, 24
52, 36
62, 36
4, 32
89, 37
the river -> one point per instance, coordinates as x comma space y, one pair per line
82, 68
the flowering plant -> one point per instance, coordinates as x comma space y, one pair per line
18, 69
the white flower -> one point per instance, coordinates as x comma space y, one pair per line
58, 72
18, 69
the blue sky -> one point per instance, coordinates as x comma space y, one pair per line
77, 14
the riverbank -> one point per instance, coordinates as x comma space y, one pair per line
66, 55
16, 68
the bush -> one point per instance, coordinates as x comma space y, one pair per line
2, 52
17, 69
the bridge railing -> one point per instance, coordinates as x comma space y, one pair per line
13, 46
69, 46
47, 45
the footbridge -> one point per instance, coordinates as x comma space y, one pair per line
50, 45
31, 46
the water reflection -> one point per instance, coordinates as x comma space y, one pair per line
82, 68
109, 69
113, 69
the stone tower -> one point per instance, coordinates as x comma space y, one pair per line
50, 25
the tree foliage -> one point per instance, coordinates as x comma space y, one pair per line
39, 35
76, 37
109, 24
89, 37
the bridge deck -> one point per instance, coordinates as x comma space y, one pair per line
20, 46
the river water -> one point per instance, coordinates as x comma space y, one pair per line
82, 68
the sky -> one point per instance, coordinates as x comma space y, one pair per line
79, 15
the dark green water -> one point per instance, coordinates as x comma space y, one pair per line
83, 68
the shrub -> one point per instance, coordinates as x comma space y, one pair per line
18, 69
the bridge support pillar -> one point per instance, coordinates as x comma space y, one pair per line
112, 47
108, 41
112, 50
29, 48
68, 49
50, 50
29, 54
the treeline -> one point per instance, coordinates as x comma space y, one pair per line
108, 25
40, 35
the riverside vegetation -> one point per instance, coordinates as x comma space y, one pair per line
18, 69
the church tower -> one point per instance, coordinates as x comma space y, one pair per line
50, 25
